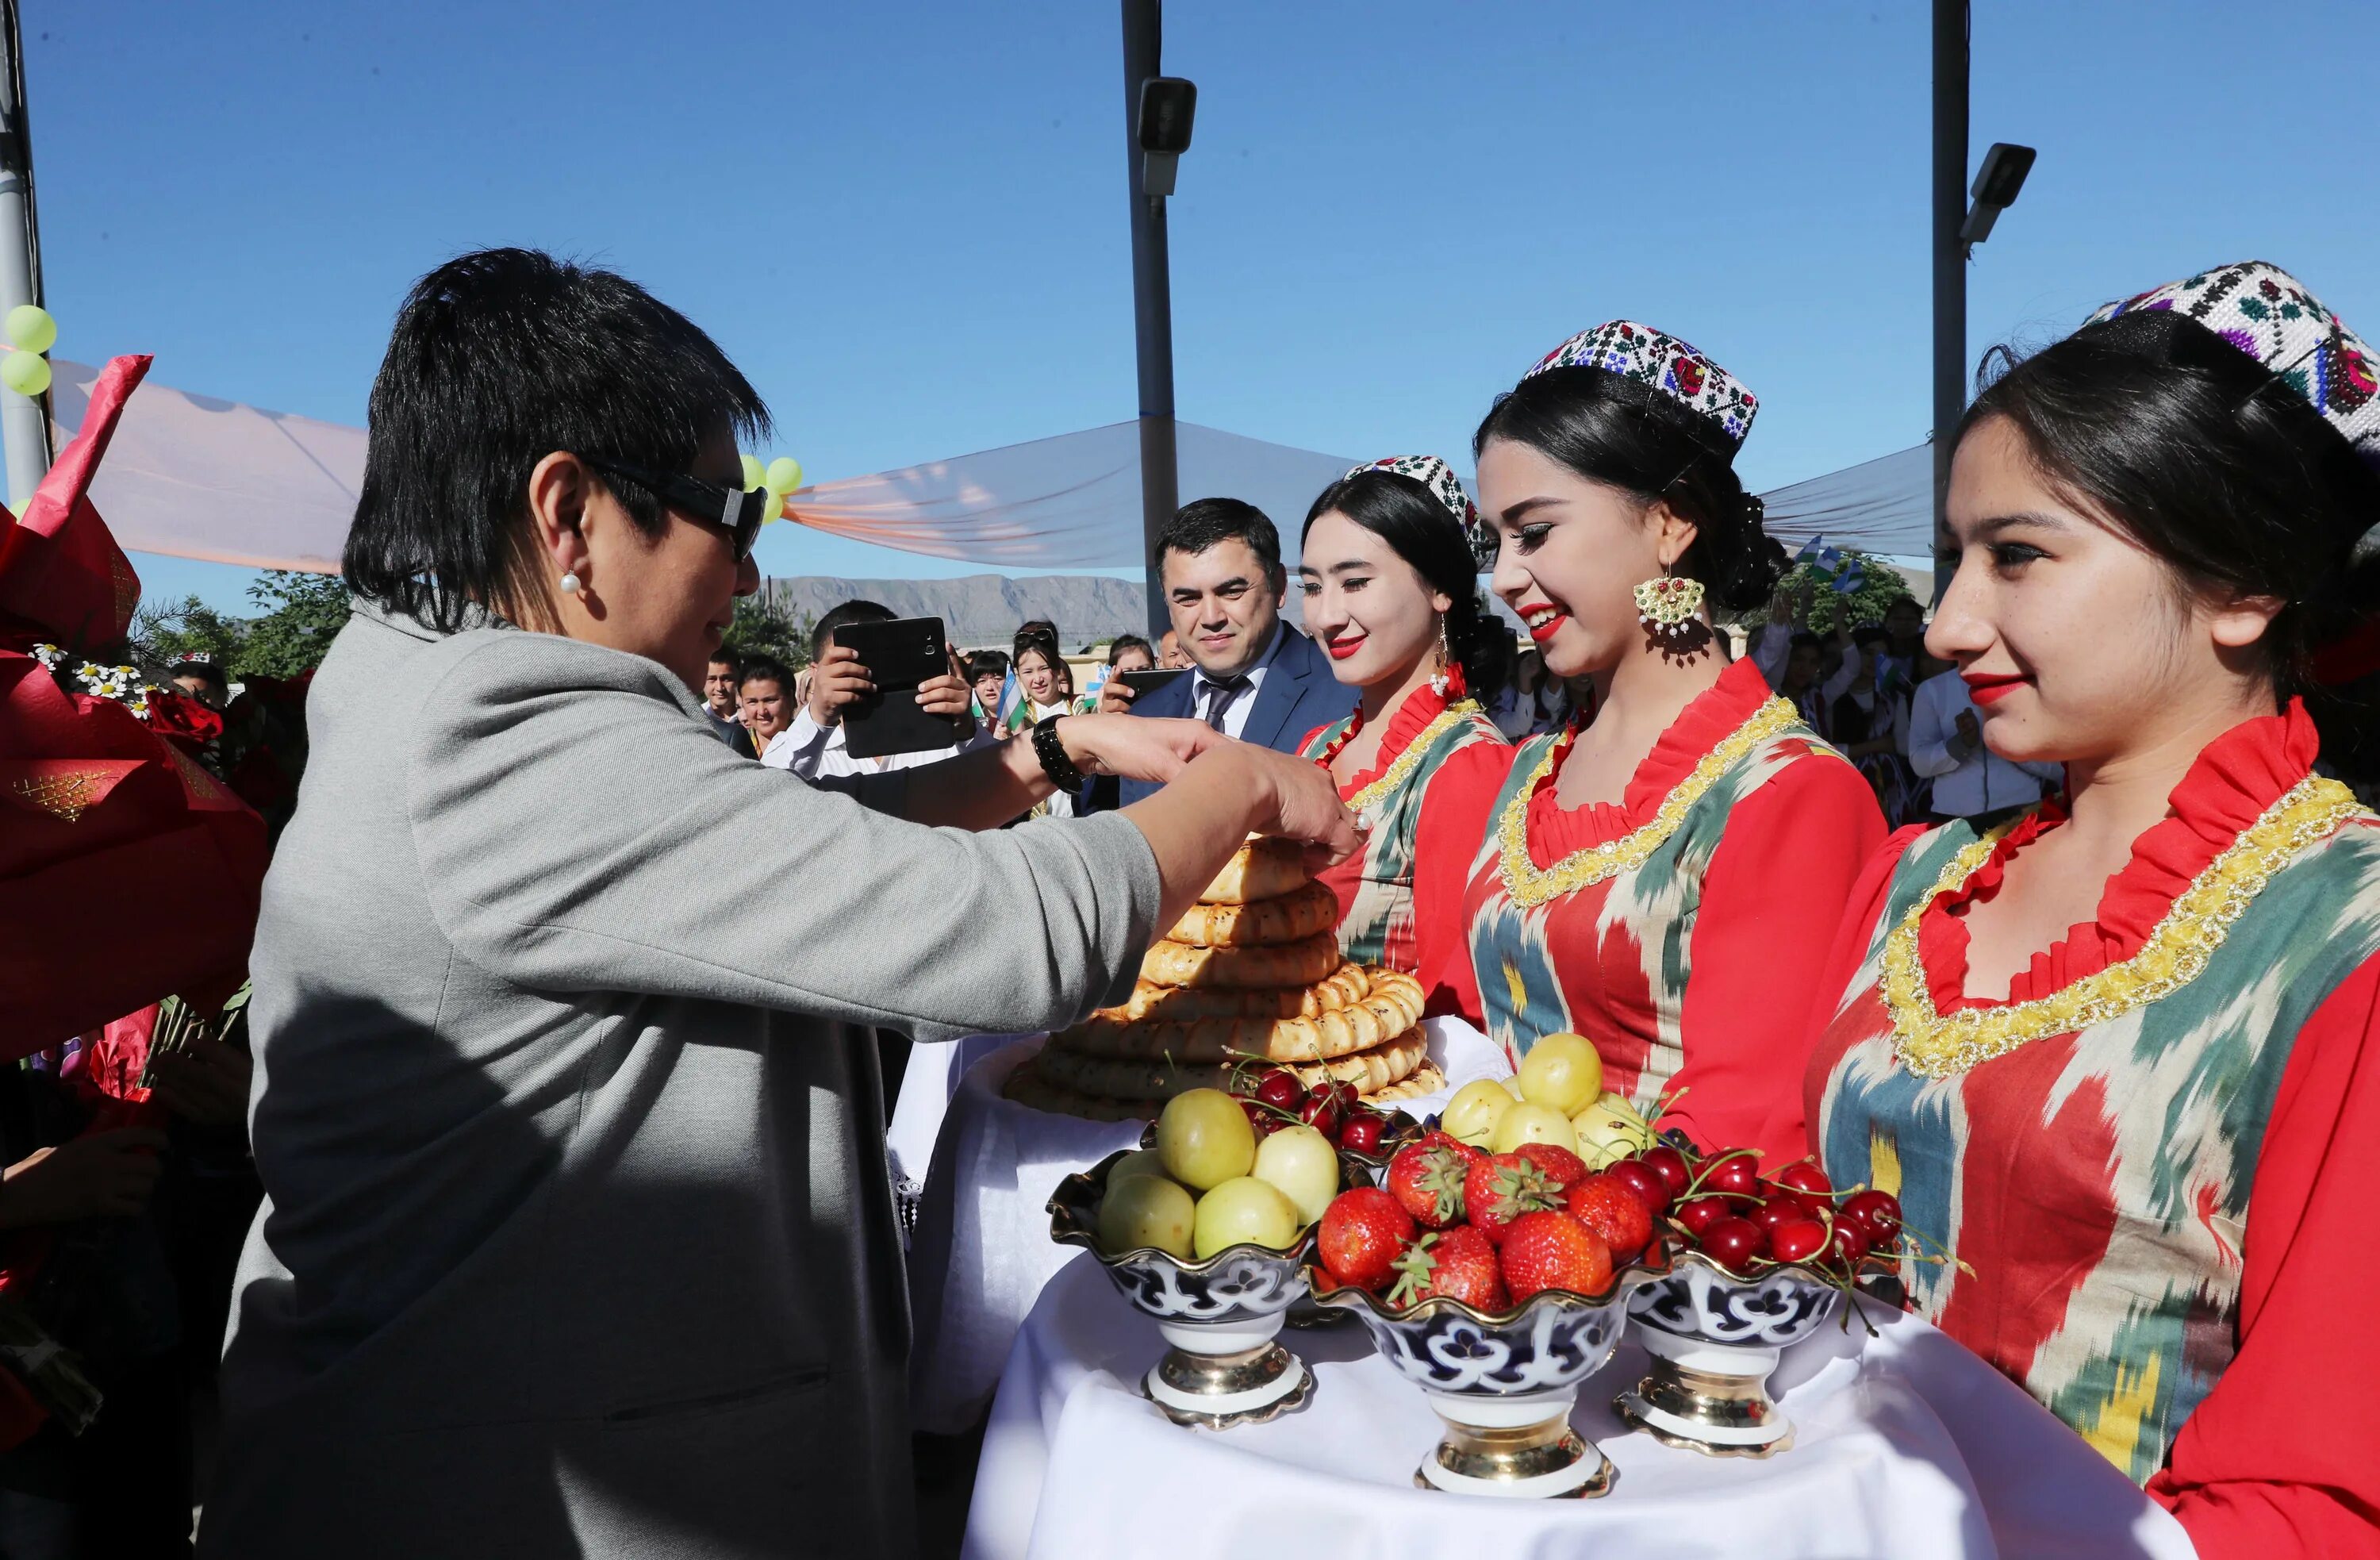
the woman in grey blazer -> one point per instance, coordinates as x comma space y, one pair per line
577, 1238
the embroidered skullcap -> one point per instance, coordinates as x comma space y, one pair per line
2262, 310
1642, 356
1447, 488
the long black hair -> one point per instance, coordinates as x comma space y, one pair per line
2192, 450
1606, 430
498, 360
1418, 529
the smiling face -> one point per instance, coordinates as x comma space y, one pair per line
719, 687
2077, 644
1371, 610
1572, 553
1223, 604
1036, 676
768, 709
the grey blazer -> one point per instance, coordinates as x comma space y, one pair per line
577, 1238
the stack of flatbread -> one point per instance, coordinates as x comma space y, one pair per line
1251, 975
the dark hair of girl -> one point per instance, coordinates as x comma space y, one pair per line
1418, 529
1607, 430
2199, 454
1130, 642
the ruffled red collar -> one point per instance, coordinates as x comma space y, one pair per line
1713, 715
2229, 786
1407, 721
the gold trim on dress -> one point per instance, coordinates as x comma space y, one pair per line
1530, 886
1932, 1045
1398, 772
67, 796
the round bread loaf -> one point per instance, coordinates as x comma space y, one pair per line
1358, 1026
1371, 1071
1289, 964
1262, 868
1302, 912
1026, 1086
1340, 988
1425, 1079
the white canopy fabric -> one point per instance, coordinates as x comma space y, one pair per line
194, 476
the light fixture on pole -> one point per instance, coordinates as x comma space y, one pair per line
1996, 189
1158, 110
1168, 104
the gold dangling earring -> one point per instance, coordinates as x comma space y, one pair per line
1437, 683
1667, 607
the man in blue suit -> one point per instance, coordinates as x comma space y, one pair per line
1253, 676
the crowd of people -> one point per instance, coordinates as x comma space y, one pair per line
573, 983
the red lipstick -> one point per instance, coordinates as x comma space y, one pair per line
1549, 627
1983, 689
1341, 649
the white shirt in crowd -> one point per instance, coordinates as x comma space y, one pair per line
1235, 713
817, 752
1981, 780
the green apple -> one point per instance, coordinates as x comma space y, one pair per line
1300, 1163
1139, 1162
1146, 1210
1472, 1114
1205, 1139
1528, 1123
1244, 1208
1563, 1071
1609, 1129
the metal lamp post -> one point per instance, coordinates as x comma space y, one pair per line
1158, 111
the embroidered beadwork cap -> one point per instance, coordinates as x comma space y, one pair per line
2266, 314
1641, 355
1447, 488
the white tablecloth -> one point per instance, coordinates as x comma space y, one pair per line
1906, 1445
982, 1250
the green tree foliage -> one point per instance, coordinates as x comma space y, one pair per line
763, 627
1817, 602
302, 613
164, 633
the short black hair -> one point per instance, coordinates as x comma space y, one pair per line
207, 670
1035, 633
853, 610
986, 664
764, 668
1130, 642
499, 359
1205, 522
725, 657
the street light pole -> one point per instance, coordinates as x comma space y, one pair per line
1950, 33
24, 419
1152, 306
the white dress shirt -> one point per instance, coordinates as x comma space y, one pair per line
817, 752
1978, 781
1236, 714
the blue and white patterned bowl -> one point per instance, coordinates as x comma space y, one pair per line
1773, 1308
1552, 1340
1243, 1284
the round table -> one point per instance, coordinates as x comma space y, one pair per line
1905, 1445
982, 1249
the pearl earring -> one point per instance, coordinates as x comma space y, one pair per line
569, 584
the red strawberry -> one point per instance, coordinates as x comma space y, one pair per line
1553, 1251
1501, 1188
1443, 1140
1459, 1263
1564, 1169
1612, 1209
1427, 1178
1364, 1232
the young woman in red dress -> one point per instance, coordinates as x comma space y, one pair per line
1664, 881
2123, 1054
1388, 566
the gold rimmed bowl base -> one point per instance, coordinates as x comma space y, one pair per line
1217, 1391
1716, 1403
1544, 1459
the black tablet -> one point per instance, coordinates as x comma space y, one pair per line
1143, 684
899, 655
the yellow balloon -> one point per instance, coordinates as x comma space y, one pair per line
30, 328
773, 510
753, 473
28, 373
784, 474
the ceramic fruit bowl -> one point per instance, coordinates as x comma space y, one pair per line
1714, 1337
1222, 1366
1502, 1383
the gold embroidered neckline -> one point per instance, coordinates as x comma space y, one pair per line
1932, 1045
1402, 768
1530, 885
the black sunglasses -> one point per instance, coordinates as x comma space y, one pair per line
736, 511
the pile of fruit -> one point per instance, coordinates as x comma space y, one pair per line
1557, 1098
1252, 972
1274, 1097
1211, 1182
1719, 1203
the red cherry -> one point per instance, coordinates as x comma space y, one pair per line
1877, 1212
1364, 1133
1263, 1120
1642, 1179
1281, 1090
1322, 1111
1670, 1164
1739, 1175
1849, 1246
1350, 1101
1778, 1211
1699, 1213
1797, 1240
1802, 1175
1734, 1243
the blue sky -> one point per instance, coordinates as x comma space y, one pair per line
907, 222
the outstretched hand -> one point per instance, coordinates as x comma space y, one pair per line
1154, 751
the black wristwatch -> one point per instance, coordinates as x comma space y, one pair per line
1052, 754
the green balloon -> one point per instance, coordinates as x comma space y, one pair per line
784, 474
31, 329
28, 373
752, 473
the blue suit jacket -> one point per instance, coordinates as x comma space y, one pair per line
1298, 694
